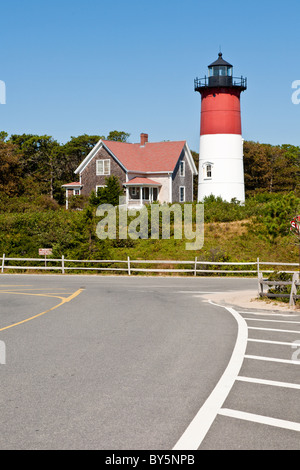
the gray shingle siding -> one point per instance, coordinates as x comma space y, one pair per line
186, 181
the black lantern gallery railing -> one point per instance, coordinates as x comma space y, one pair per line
240, 82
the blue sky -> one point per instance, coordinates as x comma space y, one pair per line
75, 67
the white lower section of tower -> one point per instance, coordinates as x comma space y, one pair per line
221, 168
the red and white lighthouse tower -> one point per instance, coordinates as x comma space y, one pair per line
221, 169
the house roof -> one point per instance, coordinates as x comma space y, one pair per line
75, 184
160, 156
137, 181
153, 157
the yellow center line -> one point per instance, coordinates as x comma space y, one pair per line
15, 285
36, 295
65, 300
28, 293
43, 289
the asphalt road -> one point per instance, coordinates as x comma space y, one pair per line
116, 363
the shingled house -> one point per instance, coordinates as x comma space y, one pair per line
158, 171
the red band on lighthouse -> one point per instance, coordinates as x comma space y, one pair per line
220, 111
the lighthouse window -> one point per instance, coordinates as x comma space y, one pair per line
208, 171
220, 71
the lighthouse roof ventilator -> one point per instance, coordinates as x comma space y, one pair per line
221, 169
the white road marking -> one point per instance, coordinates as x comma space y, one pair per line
272, 359
274, 383
273, 329
274, 321
271, 314
279, 423
198, 428
283, 343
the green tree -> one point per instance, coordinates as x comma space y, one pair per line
39, 159
10, 170
109, 194
3, 136
118, 136
74, 152
271, 168
274, 219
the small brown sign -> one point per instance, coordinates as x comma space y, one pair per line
45, 251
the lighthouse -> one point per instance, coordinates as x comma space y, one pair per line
221, 169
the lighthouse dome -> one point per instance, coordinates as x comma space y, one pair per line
220, 72
220, 61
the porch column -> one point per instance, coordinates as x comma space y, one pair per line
141, 195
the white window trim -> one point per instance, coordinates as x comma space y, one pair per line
99, 186
180, 188
205, 165
98, 173
74, 192
182, 168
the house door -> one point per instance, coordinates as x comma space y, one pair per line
145, 194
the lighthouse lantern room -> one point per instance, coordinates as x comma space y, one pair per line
221, 170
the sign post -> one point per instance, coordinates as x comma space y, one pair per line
295, 229
45, 252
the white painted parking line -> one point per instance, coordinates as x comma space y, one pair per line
271, 314
273, 329
198, 428
283, 343
273, 321
272, 359
279, 423
273, 383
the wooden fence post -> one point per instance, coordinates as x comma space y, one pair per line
195, 268
294, 289
63, 264
128, 263
260, 285
2, 267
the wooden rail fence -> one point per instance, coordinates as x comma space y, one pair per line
130, 266
191, 267
292, 296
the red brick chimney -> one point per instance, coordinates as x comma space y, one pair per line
144, 139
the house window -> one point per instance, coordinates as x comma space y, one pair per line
134, 192
103, 167
98, 187
182, 194
76, 192
182, 168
